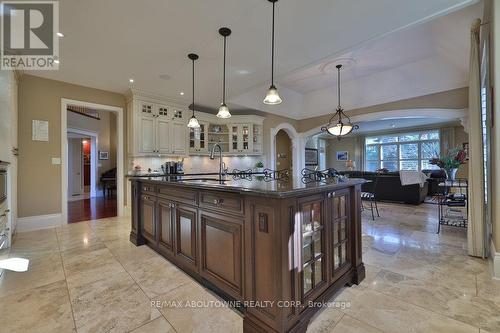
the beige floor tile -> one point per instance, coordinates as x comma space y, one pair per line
468, 309
35, 241
349, 324
90, 266
126, 252
156, 276
324, 321
159, 325
111, 304
392, 315
207, 318
39, 310
487, 288
42, 270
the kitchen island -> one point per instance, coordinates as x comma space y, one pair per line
280, 249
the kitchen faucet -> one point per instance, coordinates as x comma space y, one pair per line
222, 166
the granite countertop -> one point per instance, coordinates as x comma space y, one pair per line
277, 189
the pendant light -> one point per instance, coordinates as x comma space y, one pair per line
193, 122
340, 124
223, 109
272, 97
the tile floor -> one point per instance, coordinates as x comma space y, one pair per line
87, 277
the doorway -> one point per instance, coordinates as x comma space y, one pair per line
283, 154
92, 188
80, 166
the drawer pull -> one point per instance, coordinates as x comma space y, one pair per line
218, 202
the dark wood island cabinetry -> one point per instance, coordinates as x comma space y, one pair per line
279, 245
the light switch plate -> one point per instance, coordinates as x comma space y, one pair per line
56, 160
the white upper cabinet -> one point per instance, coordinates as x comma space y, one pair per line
198, 139
147, 143
157, 127
241, 139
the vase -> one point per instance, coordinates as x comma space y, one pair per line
451, 173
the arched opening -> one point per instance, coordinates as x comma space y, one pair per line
297, 151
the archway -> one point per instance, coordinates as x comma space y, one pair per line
297, 148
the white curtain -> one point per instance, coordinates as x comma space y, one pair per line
475, 231
447, 139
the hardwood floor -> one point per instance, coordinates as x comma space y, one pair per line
91, 209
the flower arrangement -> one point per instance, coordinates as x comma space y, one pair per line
451, 161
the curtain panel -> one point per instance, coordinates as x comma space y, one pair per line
475, 231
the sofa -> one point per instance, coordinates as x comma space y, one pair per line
387, 187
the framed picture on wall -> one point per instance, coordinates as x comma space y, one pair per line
342, 155
311, 157
104, 155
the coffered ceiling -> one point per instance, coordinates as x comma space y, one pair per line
392, 49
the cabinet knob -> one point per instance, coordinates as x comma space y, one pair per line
218, 202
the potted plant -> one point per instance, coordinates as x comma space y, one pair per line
451, 161
259, 166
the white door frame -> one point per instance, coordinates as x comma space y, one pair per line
94, 138
120, 186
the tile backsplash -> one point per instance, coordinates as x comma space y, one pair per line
195, 164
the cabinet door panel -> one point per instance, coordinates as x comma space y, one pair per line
147, 137
339, 218
313, 246
186, 234
166, 225
148, 217
221, 252
178, 138
163, 134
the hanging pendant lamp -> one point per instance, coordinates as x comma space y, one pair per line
193, 122
340, 124
272, 96
223, 109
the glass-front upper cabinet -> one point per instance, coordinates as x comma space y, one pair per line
241, 138
312, 234
198, 139
339, 219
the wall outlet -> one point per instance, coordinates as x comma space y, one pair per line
56, 160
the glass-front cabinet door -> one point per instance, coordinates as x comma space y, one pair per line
340, 228
198, 139
241, 138
313, 247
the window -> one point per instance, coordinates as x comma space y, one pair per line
402, 151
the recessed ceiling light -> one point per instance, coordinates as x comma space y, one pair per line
182, 93
60, 34
131, 80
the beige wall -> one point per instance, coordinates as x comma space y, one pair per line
460, 137
345, 144
39, 181
453, 99
106, 131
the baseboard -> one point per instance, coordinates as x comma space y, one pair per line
38, 222
495, 262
